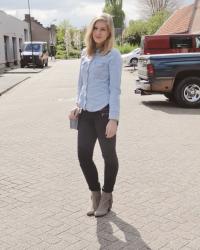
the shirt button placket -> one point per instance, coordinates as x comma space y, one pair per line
86, 85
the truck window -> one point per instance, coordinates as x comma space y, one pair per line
180, 42
197, 40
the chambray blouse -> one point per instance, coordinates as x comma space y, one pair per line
99, 82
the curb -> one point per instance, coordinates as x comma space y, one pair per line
25, 72
3, 92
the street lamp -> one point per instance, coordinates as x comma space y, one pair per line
33, 61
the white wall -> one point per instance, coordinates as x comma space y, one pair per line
11, 27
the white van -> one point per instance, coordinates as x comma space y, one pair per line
34, 53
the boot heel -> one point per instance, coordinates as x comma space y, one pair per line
104, 205
110, 206
95, 199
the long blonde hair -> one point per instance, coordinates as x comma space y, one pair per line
108, 44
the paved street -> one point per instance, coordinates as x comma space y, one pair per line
44, 197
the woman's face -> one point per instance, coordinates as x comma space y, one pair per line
100, 33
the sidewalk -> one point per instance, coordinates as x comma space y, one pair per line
8, 82
12, 77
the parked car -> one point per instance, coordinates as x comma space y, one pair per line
34, 53
171, 43
177, 76
131, 59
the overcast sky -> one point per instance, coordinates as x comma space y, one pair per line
78, 12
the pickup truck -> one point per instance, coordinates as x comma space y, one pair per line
177, 76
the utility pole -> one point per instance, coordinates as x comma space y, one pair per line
33, 59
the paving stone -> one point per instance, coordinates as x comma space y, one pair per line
43, 194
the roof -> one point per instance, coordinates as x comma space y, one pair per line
195, 27
179, 22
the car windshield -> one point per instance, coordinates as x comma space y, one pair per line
36, 47
136, 50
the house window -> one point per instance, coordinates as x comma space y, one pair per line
197, 40
14, 48
180, 42
20, 43
6, 47
25, 34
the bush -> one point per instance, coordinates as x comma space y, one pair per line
60, 54
74, 53
126, 48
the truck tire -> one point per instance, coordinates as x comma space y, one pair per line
46, 64
134, 62
42, 64
187, 92
170, 96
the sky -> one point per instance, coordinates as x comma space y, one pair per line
78, 12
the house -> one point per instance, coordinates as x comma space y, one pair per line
183, 21
13, 33
40, 33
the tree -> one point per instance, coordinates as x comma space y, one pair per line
68, 41
114, 8
138, 28
151, 7
134, 31
60, 44
156, 20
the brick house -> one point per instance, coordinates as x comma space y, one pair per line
40, 33
183, 21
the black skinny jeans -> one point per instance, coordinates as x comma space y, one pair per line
92, 126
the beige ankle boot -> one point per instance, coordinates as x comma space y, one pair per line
104, 205
95, 198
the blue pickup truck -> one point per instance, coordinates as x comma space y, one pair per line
177, 76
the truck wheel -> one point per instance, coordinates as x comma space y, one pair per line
170, 96
187, 92
42, 65
133, 62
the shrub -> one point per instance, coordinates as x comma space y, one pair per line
74, 53
126, 48
60, 54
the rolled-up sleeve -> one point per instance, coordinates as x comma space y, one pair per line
115, 71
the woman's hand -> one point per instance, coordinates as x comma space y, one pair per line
73, 115
111, 128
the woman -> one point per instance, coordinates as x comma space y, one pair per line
98, 98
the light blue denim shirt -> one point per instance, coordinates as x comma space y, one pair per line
99, 82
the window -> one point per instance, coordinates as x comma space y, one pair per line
6, 47
36, 47
14, 48
25, 35
20, 43
180, 42
197, 40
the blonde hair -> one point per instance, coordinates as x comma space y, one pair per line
108, 44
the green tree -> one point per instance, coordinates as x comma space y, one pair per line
69, 41
155, 21
114, 8
138, 28
60, 44
135, 30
